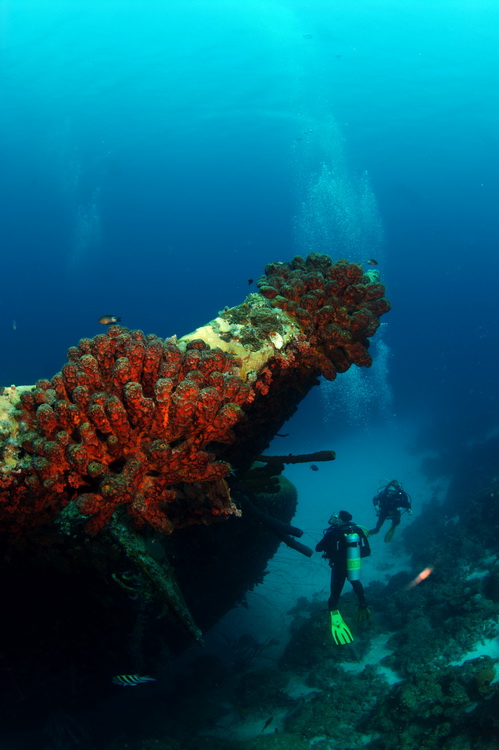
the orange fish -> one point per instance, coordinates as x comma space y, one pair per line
420, 577
108, 320
372, 262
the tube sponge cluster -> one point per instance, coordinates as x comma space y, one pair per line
143, 424
336, 305
125, 423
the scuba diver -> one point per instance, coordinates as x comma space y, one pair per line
343, 545
389, 503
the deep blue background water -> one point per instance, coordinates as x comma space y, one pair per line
156, 155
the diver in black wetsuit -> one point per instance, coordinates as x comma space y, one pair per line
389, 503
343, 545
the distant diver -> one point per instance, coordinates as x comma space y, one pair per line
390, 502
343, 545
108, 320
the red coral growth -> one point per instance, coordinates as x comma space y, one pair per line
126, 423
130, 420
262, 384
336, 305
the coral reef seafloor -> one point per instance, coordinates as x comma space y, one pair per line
413, 678
418, 674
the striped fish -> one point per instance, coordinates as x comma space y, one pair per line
130, 680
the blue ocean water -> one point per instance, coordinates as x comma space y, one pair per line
157, 155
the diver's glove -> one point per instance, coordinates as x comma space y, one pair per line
364, 613
339, 630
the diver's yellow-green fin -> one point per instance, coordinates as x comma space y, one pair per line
389, 534
339, 629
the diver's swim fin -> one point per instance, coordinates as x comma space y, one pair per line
339, 629
389, 534
363, 613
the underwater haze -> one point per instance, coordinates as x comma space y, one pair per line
156, 155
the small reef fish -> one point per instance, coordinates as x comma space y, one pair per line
130, 680
250, 281
314, 467
372, 262
420, 577
108, 320
14, 325
267, 723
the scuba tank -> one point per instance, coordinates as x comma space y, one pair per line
353, 556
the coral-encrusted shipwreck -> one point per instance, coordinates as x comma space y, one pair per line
138, 433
